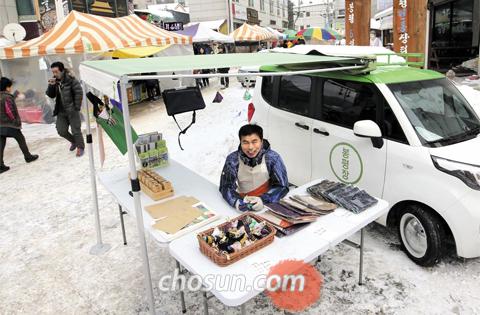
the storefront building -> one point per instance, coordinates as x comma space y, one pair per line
455, 34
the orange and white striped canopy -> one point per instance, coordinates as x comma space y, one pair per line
248, 32
87, 33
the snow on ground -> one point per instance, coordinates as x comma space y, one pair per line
47, 230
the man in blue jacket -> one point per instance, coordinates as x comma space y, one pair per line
254, 174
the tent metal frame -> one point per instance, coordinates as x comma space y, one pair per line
135, 186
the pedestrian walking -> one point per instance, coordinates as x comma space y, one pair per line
68, 95
10, 124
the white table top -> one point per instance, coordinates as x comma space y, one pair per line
306, 244
185, 182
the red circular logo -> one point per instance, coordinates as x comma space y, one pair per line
294, 285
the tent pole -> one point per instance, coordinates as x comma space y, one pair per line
252, 74
99, 248
136, 193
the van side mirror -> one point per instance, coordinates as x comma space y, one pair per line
369, 129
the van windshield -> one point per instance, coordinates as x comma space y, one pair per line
437, 111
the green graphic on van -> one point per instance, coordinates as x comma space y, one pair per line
346, 163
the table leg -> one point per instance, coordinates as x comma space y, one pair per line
360, 272
123, 224
242, 309
182, 296
205, 303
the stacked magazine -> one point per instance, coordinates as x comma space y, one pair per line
295, 212
346, 196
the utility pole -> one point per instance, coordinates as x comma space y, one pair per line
59, 10
229, 16
298, 13
291, 23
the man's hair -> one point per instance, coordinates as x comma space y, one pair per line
247, 130
5, 83
59, 65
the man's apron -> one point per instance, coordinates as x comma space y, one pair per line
253, 181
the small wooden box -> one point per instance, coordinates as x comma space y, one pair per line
154, 185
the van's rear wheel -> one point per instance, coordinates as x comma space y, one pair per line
422, 235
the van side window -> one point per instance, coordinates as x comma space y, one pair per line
294, 95
267, 89
346, 102
391, 127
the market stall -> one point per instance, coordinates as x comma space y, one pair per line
248, 37
104, 76
291, 34
137, 91
278, 34
78, 37
202, 34
317, 35
215, 25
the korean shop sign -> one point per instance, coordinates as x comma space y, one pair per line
357, 22
409, 26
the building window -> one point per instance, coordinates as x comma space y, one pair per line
271, 6
273, 22
25, 7
285, 24
251, 3
262, 5
453, 34
307, 14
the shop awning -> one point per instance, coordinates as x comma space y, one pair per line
87, 33
103, 74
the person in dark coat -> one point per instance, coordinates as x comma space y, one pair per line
68, 94
253, 175
225, 81
10, 124
205, 81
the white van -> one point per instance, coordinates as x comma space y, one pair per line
403, 134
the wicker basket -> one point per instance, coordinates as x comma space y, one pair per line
222, 260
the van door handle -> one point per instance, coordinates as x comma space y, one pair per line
302, 126
325, 133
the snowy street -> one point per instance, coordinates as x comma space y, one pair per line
47, 230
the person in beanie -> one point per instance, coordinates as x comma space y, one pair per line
68, 95
10, 124
253, 175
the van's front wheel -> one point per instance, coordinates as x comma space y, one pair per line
422, 235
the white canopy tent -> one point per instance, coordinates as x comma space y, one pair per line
213, 25
201, 34
279, 35
104, 75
